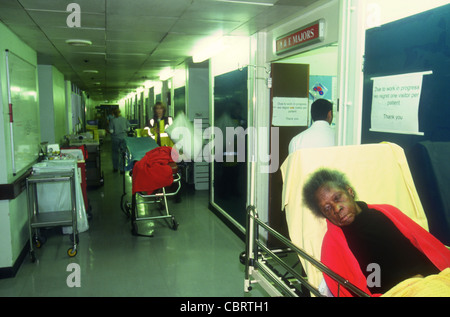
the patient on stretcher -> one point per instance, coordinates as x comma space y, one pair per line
374, 247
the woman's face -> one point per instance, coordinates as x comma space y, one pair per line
337, 205
159, 111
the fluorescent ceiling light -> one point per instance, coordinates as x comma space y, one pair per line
166, 74
148, 84
248, 2
76, 42
207, 52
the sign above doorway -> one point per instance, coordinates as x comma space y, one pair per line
305, 36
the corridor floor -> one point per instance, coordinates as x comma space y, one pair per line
199, 259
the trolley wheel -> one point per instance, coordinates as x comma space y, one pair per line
38, 242
174, 224
72, 252
124, 205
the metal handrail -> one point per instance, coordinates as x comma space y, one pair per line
252, 236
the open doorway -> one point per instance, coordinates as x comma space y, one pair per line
321, 68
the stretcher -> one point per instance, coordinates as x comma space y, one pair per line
378, 172
155, 177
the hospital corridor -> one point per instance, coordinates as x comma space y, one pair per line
199, 259
224, 149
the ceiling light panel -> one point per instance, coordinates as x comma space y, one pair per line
268, 3
203, 27
220, 11
78, 42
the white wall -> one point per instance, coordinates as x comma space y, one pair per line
13, 213
52, 101
47, 113
384, 11
198, 91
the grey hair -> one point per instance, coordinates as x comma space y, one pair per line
318, 179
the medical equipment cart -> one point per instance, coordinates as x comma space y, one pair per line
54, 218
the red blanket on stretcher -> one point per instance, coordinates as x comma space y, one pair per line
337, 255
153, 171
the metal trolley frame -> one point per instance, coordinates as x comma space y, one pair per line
38, 219
260, 261
159, 196
131, 209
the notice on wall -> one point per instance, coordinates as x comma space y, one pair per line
395, 103
24, 114
290, 111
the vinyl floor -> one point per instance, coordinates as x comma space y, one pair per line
199, 259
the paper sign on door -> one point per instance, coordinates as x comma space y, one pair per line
395, 103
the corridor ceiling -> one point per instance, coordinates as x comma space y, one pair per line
132, 41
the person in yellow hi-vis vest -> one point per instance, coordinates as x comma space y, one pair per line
159, 123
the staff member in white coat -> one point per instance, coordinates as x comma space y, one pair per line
320, 133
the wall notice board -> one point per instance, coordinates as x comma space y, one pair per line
24, 112
405, 101
407, 71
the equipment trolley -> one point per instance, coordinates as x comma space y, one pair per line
151, 167
160, 196
47, 219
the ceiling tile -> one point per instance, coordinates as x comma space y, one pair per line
59, 19
133, 47
154, 8
204, 27
86, 6
132, 40
129, 23
15, 16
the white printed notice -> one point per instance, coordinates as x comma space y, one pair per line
395, 103
290, 111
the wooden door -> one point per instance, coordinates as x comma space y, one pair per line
291, 81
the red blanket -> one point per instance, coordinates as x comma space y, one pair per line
337, 255
153, 171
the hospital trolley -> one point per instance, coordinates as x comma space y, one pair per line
135, 150
380, 173
44, 219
